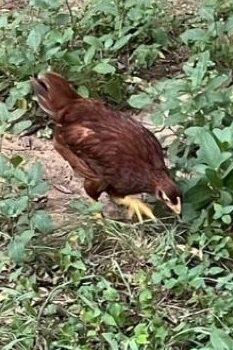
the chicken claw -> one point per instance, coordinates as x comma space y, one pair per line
136, 207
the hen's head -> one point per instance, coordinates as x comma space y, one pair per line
169, 193
53, 93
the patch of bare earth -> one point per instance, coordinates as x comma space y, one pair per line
64, 186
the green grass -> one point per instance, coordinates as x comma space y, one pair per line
117, 286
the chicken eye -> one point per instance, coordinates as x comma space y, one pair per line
43, 85
160, 194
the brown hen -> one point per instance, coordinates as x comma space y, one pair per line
114, 154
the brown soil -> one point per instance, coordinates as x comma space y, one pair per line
64, 186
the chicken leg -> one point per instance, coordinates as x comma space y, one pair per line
135, 207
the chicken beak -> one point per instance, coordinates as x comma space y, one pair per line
176, 208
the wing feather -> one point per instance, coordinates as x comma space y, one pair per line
109, 146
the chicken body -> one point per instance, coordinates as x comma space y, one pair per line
114, 154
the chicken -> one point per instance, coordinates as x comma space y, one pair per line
113, 154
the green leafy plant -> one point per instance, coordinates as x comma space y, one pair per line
199, 107
20, 221
96, 46
212, 30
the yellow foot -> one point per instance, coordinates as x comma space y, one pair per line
136, 207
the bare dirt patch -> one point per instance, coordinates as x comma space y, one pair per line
64, 186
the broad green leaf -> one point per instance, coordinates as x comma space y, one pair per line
157, 118
145, 295
220, 340
90, 53
109, 338
54, 52
227, 209
220, 210
21, 176
207, 12
78, 265
21, 126
42, 28
35, 173
170, 283
3, 21
4, 114
121, 42
16, 114
217, 82
180, 270
106, 7
229, 24
140, 101
141, 334
192, 35
225, 197
209, 152
227, 219
198, 194
83, 91
215, 270
67, 35
34, 39
104, 68
20, 205
200, 70
224, 135
53, 37
19, 91
17, 247
111, 295
42, 221
40, 189
13, 207
108, 320
108, 43
73, 58
93, 41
